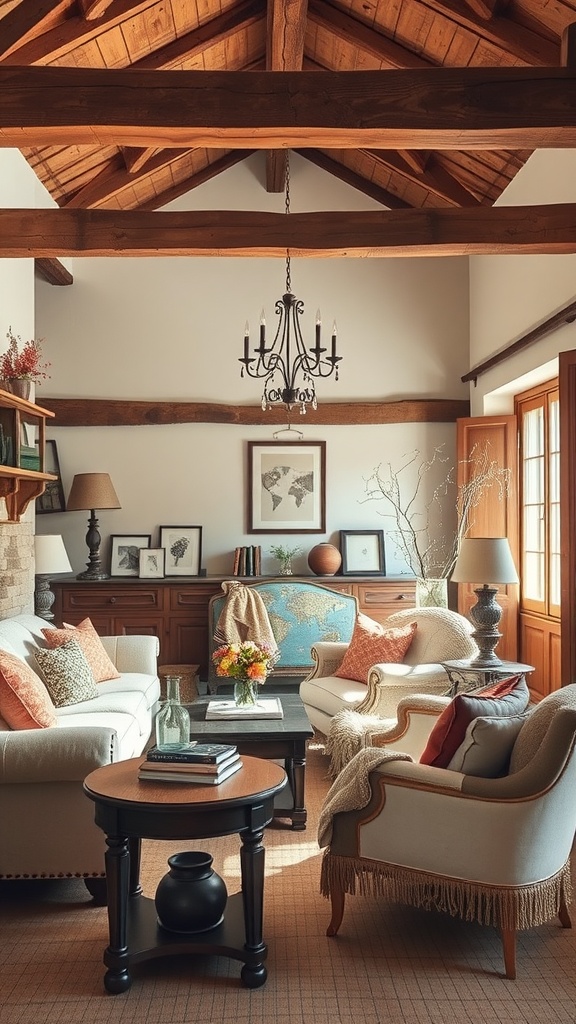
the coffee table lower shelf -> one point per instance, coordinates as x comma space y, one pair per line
147, 940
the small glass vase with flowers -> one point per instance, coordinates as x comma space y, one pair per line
20, 368
248, 664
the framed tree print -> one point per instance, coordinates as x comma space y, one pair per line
183, 547
286, 487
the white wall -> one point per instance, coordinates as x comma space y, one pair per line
173, 328
509, 295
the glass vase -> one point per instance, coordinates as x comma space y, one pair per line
245, 693
432, 593
172, 720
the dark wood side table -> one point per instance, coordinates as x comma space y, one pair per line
272, 738
129, 810
463, 675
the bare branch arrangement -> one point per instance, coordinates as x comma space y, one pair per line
420, 535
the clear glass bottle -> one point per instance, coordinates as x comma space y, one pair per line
172, 720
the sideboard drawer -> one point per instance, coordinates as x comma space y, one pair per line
386, 599
90, 599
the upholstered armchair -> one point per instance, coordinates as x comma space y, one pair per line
441, 635
488, 849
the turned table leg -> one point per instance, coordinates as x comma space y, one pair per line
254, 973
117, 979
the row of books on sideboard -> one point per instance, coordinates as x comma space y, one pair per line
247, 560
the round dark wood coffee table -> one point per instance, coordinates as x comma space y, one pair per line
129, 810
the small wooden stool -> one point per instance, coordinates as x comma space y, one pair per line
188, 681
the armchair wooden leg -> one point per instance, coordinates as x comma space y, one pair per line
509, 947
337, 900
564, 915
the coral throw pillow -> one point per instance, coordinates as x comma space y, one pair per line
24, 700
371, 644
92, 647
501, 700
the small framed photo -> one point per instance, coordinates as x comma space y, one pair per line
183, 547
52, 500
125, 557
152, 561
362, 552
286, 487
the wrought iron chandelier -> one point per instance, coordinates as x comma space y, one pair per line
287, 367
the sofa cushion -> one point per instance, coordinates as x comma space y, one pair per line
371, 644
24, 700
67, 674
91, 644
487, 746
503, 699
132, 703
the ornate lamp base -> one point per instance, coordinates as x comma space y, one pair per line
486, 615
43, 598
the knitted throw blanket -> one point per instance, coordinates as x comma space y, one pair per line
349, 733
244, 617
351, 790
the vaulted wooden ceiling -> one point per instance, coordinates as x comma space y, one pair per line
281, 35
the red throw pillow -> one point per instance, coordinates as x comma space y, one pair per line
24, 700
503, 699
92, 648
371, 644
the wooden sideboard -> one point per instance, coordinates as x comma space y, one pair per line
176, 609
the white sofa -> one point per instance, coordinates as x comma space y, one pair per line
48, 828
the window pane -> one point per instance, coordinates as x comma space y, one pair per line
533, 433
534, 528
533, 481
533, 577
554, 482
555, 579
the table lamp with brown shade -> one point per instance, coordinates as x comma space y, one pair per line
92, 491
485, 558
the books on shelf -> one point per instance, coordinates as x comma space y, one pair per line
266, 707
247, 560
192, 753
194, 775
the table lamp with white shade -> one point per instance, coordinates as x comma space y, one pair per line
50, 559
485, 558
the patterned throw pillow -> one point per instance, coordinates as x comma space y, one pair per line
371, 644
24, 700
502, 700
91, 644
67, 674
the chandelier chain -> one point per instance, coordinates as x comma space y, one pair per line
287, 211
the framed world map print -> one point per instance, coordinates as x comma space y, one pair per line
286, 487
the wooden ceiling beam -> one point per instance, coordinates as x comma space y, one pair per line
86, 412
285, 28
343, 173
503, 33
53, 271
474, 231
436, 108
372, 44
112, 181
27, 21
93, 8
435, 178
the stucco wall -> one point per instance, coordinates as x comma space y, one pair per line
173, 329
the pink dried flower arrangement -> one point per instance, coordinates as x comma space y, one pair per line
25, 364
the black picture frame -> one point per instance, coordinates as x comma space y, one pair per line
183, 547
294, 498
362, 552
52, 499
125, 553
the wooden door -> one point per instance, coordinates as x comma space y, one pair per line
496, 515
567, 382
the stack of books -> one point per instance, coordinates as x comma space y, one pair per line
206, 764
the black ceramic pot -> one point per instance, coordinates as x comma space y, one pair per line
191, 897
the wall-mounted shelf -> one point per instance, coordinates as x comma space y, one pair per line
22, 453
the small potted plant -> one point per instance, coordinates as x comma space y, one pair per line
20, 367
284, 556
